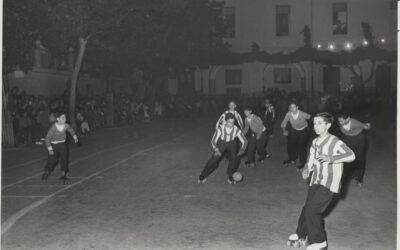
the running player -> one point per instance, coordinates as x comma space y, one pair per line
236, 115
325, 162
352, 134
223, 143
55, 143
297, 134
256, 138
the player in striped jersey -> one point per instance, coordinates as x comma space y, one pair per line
223, 142
236, 115
325, 162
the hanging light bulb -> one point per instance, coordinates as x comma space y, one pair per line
319, 46
365, 42
383, 40
331, 46
348, 45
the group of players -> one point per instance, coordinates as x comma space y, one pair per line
323, 168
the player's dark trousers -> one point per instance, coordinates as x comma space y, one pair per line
297, 145
256, 145
310, 222
268, 134
358, 144
228, 149
60, 155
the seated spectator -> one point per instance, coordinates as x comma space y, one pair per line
25, 126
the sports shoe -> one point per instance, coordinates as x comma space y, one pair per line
288, 163
231, 180
262, 159
318, 246
65, 180
201, 181
296, 242
250, 164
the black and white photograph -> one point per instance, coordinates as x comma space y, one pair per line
199, 125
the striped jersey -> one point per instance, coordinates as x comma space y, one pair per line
328, 173
226, 134
238, 118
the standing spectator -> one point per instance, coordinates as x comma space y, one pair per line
25, 126
43, 121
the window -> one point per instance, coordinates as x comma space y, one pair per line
282, 75
233, 77
339, 15
228, 17
282, 20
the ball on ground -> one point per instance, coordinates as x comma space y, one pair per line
237, 176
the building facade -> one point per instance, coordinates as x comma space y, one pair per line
276, 26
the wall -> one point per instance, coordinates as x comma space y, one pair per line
255, 22
50, 82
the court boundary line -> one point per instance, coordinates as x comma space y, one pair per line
44, 158
10, 222
23, 196
79, 160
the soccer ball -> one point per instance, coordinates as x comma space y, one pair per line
237, 176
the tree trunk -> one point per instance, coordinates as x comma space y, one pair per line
74, 80
8, 139
360, 75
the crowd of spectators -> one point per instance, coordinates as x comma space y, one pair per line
32, 115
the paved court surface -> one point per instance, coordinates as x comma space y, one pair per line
135, 188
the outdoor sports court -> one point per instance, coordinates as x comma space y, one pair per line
135, 187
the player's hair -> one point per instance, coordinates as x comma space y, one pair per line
326, 117
59, 114
231, 102
229, 116
294, 102
248, 108
343, 114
